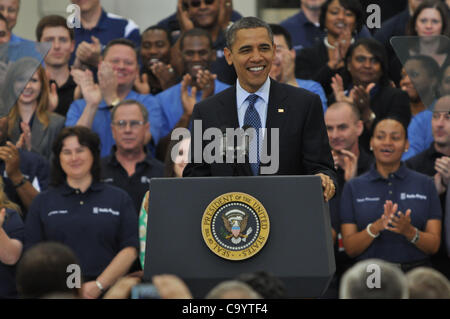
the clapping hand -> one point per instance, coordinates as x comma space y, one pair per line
188, 100
206, 82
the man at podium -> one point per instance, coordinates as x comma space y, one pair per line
287, 121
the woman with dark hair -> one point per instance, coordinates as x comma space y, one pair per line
31, 125
429, 21
426, 30
176, 160
444, 81
98, 221
341, 20
391, 212
369, 87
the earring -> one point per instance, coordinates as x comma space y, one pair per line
371, 149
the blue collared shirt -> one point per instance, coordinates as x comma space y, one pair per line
420, 134
261, 104
316, 88
16, 39
363, 200
102, 120
171, 107
109, 27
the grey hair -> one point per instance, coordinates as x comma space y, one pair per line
246, 23
143, 109
427, 283
354, 283
233, 285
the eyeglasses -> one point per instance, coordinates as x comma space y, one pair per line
122, 124
197, 3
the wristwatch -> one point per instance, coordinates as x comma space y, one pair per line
416, 236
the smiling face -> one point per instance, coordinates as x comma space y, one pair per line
155, 47
338, 19
76, 159
204, 16
32, 90
196, 54
252, 55
10, 10
131, 137
429, 23
124, 63
62, 46
389, 142
364, 67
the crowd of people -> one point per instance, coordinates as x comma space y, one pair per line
85, 127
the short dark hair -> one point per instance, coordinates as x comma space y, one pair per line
159, 28
196, 32
352, 5
86, 137
43, 270
353, 108
390, 117
120, 41
246, 23
52, 21
378, 51
279, 30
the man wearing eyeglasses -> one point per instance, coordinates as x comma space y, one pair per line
435, 162
130, 165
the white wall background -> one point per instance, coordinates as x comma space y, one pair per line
144, 12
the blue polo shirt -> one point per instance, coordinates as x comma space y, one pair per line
420, 134
305, 34
13, 227
362, 203
171, 107
16, 39
314, 87
96, 224
102, 120
34, 167
109, 27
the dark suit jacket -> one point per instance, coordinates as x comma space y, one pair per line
304, 147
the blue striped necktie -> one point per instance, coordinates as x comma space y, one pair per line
252, 119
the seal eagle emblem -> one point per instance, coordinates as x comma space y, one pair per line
235, 226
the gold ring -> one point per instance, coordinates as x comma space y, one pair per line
228, 4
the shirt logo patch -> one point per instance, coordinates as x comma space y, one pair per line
56, 212
368, 199
404, 196
145, 180
98, 210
